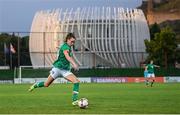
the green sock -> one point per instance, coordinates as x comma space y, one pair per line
152, 83
39, 84
75, 91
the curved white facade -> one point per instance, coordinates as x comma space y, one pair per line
112, 36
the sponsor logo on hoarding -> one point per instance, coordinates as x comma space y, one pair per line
171, 79
108, 79
141, 79
58, 80
6, 81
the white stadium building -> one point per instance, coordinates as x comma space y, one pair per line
106, 36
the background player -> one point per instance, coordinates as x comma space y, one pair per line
150, 72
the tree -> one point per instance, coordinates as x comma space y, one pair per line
162, 48
5, 40
154, 29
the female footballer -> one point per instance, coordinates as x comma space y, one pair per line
150, 72
62, 67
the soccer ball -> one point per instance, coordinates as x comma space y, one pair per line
83, 103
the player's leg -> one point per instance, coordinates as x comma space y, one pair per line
146, 77
72, 78
53, 75
42, 83
146, 81
152, 79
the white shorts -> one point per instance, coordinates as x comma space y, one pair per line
55, 72
150, 75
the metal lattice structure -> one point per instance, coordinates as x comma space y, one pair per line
114, 35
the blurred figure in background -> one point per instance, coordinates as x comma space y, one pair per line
150, 75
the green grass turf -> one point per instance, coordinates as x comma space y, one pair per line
103, 99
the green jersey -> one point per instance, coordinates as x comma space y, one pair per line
150, 68
62, 62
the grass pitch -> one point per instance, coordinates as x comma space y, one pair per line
108, 98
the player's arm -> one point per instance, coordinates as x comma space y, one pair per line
156, 66
146, 68
143, 65
70, 59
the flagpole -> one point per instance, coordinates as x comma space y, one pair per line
5, 48
18, 50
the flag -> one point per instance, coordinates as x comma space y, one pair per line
6, 50
12, 49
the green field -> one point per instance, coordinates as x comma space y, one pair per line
103, 99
